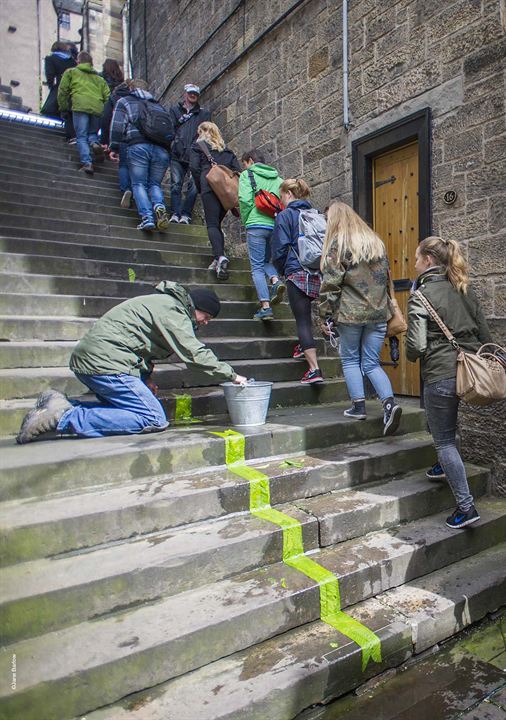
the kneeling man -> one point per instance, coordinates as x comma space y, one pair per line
115, 361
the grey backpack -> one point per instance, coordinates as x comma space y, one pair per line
312, 226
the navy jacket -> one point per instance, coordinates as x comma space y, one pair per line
185, 130
285, 238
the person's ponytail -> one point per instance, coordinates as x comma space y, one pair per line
448, 254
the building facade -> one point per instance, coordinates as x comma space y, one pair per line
407, 124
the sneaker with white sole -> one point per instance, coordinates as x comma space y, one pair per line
146, 224
277, 292
436, 472
161, 217
462, 518
357, 410
213, 265
264, 314
185, 220
126, 199
174, 218
222, 268
391, 416
298, 353
311, 377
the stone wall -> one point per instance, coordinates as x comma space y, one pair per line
284, 95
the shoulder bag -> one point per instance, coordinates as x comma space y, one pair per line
265, 201
481, 376
397, 323
223, 180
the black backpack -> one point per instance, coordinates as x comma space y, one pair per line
155, 123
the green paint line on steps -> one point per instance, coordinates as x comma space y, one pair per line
183, 414
293, 550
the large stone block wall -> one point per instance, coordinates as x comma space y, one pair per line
284, 95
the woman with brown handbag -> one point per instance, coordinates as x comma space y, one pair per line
210, 151
354, 297
443, 280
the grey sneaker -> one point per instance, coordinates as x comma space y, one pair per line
222, 268
42, 420
126, 199
185, 220
50, 395
277, 292
174, 218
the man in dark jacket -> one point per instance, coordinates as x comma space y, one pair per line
115, 361
54, 67
147, 161
186, 116
125, 185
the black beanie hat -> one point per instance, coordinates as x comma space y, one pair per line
206, 300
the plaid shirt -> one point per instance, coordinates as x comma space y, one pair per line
309, 283
124, 120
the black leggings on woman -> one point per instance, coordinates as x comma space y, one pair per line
300, 304
214, 214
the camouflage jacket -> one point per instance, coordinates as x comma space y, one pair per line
354, 294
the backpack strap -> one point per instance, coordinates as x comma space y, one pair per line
252, 180
434, 315
203, 146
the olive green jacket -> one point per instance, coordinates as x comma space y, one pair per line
137, 331
460, 312
83, 90
354, 294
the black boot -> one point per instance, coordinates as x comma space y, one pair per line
357, 410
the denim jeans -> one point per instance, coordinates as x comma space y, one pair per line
360, 347
441, 408
86, 127
147, 164
259, 250
178, 171
125, 406
123, 173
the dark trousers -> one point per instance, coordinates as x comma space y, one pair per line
214, 214
300, 304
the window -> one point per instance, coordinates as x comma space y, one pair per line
65, 20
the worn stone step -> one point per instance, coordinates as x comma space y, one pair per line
57, 160
206, 401
63, 167
21, 131
48, 594
28, 382
30, 189
314, 664
42, 527
138, 648
45, 467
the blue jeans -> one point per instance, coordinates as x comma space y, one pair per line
360, 347
259, 250
441, 407
126, 406
123, 173
147, 164
177, 175
86, 127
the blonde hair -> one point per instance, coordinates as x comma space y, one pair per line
210, 132
353, 237
448, 254
297, 186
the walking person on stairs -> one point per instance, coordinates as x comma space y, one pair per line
259, 227
115, 361
302, 286
443, 280
147, 159
85, 93
353, 297
210, 143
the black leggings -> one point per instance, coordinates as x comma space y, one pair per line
214, 214
300, 304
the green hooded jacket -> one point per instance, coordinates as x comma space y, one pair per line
137, 331
83, 90
266, 178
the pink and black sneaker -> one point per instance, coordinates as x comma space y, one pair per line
312, 376
298, 353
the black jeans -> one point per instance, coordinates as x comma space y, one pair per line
214, 214
300, 304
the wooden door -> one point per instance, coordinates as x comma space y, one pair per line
395, 219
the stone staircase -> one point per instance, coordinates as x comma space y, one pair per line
135, 581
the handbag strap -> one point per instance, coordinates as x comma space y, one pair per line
390, 285
434, 315
203, 146
252, 180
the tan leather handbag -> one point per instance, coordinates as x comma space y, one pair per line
397, 323
481, 376
223, 180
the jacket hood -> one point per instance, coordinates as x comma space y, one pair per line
86, 67
264, 171
178, 292
299, 205
143, 94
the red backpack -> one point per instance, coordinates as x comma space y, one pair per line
266, 202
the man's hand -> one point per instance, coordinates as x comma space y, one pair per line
152, 386
240, 380
113, 156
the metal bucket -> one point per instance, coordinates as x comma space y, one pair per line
248, 404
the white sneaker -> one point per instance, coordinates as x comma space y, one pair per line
174, 218
126, 200
222, 268
213, 265
185, 220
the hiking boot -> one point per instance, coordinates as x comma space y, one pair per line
222, 268
146, 224
264, 314
459, 518
436, 472
43, 420
357, 410
162, 220
87, 168
126, 199
391, 416
298, 353
312, 376
98, 152
174, 218
185, 220
277, 292
49, 395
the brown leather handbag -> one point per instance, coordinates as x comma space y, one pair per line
223, 181
481, 376
397, 323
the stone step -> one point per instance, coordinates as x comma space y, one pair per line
76, 181
206, 401
104, 287
314, 664
49, 594
47, 467
63, 167
29, 382
72, 328
137, 648
47, 526
29, 189
19, 132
